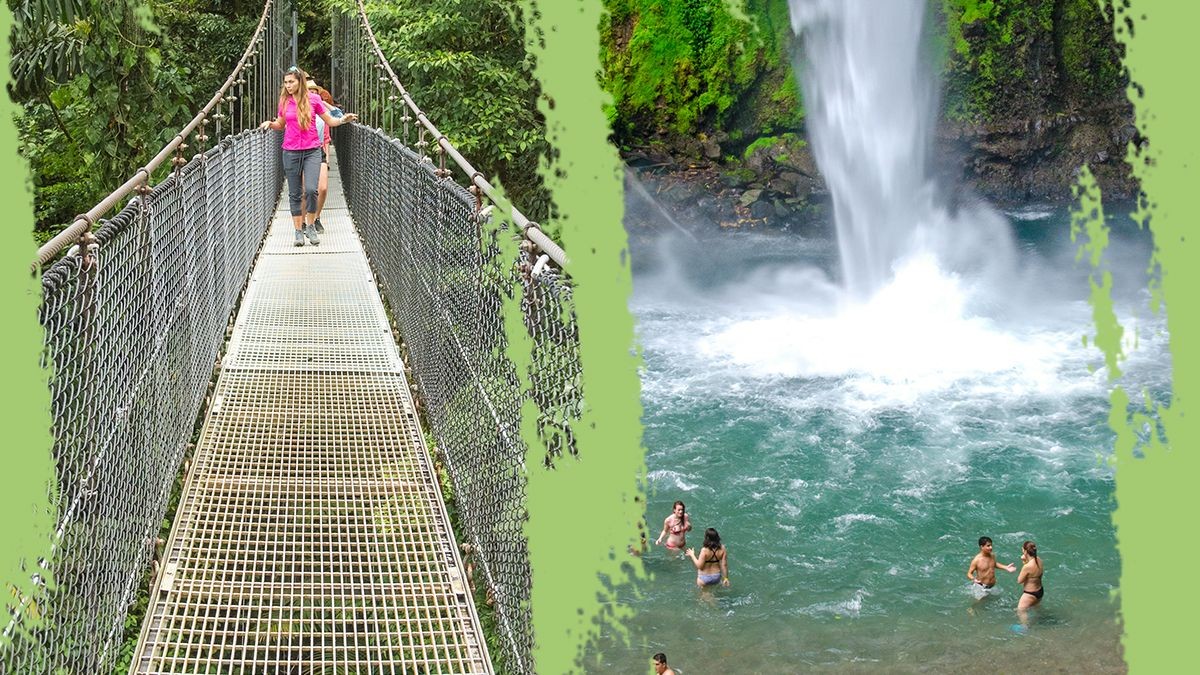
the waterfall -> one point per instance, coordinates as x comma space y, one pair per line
871, 105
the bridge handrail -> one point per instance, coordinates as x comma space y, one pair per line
83, 222
530, 228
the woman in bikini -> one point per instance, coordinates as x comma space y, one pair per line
1030, 579
712, 565
675, 526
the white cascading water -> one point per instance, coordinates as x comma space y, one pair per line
925, 293
871, 105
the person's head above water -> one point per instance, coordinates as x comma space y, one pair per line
712, 540
985, 541
1029, 548
660, 662
679, 509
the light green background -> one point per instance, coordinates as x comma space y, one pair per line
24, 401
593, 499
1156, 496
583, 515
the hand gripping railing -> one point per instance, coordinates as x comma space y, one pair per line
134, 320
84, 222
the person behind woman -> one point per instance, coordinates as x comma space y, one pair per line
1030, 578
298, 110
323, 134
675, 526
712, 565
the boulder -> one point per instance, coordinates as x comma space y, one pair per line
750, 197
761, 210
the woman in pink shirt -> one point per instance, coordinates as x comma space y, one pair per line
298, 111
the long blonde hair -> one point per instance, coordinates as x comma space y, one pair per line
303, 105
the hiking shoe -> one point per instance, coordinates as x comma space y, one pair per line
318, 226
311, 233
299, 238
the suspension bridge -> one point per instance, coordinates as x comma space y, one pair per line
305, 399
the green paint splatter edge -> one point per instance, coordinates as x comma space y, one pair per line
585, 513
1151, 493
1154, 491
24, 397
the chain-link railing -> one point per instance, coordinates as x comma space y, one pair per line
134, 317
444, 274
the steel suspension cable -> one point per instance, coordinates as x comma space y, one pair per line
133, 320
530, 228
84, 222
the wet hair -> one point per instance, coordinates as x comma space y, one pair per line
1030, 548
660, 658
712, 540
303, 106
682, 518
984, 541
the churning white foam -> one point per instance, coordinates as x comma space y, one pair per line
916, 336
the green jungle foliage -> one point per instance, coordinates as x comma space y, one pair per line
208, 36
85, 73
211, 35
686, 69
981, 66
681, 68
465, 64
1014, 57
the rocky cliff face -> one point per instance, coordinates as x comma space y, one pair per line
1033, 91
1038, 158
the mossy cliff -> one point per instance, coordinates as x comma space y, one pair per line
1034, 90
705, 90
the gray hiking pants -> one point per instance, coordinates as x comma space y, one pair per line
306, 163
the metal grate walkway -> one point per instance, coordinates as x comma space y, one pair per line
311, 536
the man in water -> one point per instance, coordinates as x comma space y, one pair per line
660, 665
983, 566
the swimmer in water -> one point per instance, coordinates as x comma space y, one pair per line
1030, 579
712, 565
983, 566
660, 665
675, 526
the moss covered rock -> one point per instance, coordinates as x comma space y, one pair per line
1032, 90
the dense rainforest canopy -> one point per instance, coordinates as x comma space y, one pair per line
1031, 89
87, 73
680, 69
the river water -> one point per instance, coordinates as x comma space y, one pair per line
853, 412
851, 454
